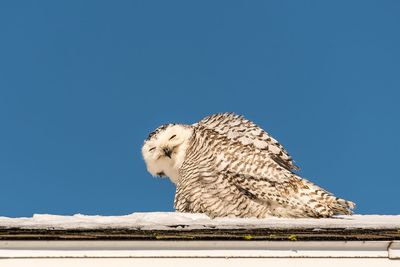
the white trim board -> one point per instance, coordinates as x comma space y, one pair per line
199, 249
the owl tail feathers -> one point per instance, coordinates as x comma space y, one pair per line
341, 206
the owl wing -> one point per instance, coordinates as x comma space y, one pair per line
218, 176
291, 196
237, 128
256, 175
205, 189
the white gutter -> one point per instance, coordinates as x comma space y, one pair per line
199, 249
394, 250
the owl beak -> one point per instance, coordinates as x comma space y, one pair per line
167, 152
160, 174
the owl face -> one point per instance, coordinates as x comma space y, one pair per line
164, 150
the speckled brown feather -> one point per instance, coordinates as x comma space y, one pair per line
237, 128
221, 176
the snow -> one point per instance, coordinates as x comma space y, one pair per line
176, 220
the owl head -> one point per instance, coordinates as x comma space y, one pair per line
165, 148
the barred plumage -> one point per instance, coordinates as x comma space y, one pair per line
225, 165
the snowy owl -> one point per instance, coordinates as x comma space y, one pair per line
225, 165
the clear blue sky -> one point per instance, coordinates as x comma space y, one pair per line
82, 83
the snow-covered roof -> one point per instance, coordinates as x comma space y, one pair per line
168, 220
174, 225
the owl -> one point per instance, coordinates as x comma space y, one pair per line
225, 165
